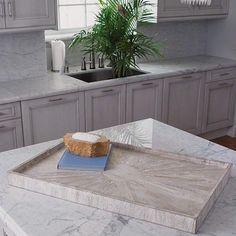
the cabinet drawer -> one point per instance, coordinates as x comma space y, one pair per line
222, 74
10, 111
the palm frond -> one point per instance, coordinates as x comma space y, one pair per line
115, 35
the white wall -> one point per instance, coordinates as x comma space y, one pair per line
221, 36
22, 55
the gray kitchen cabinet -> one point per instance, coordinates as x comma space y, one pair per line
10, 134
28, 14
144, 100
105, 107
217, 7
219, 105
175, 10
183, 102
50, 118
2, 15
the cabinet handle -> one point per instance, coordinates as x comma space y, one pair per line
224, 74
2, 9
2, 114
2, 127
145, 84
108, 90
9, 4
223, 84
187, 77
55, 99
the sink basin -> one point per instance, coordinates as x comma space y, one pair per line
99, 74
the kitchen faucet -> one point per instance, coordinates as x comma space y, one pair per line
91, 62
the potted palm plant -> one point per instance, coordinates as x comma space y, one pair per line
115, 36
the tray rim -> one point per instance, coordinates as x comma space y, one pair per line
17, 172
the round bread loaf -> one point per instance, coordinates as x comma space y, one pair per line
87, 145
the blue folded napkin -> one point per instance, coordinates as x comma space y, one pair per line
70, 161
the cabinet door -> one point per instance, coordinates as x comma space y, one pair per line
174, 8
217, 7
30, 13
105, 107
144, 100
219, 105
50, 118
183, 102
2, 15
10, 135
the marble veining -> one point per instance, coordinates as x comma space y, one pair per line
56, 84
32, 214
22, 55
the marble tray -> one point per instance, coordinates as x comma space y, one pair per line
164, 188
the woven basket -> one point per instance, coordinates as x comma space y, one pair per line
85, 148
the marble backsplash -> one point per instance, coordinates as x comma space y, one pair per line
22, 55
181, 39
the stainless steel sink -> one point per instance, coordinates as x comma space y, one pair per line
99, 74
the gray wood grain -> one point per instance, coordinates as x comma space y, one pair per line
30, 13
155, 186
144, 100
2, 17
11, 135
105, 107
217, 7
174, 8
10, 111
51, 117
171, 10
183, 102
219, 105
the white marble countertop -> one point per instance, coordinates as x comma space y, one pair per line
55, 84
32, 214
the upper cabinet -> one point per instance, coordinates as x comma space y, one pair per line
218, 7
17, 15
172, 10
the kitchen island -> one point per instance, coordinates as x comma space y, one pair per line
26, 213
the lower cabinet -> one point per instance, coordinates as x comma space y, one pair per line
50, 118
183, 102
144, 100
105, 107
11, 135
219, 105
